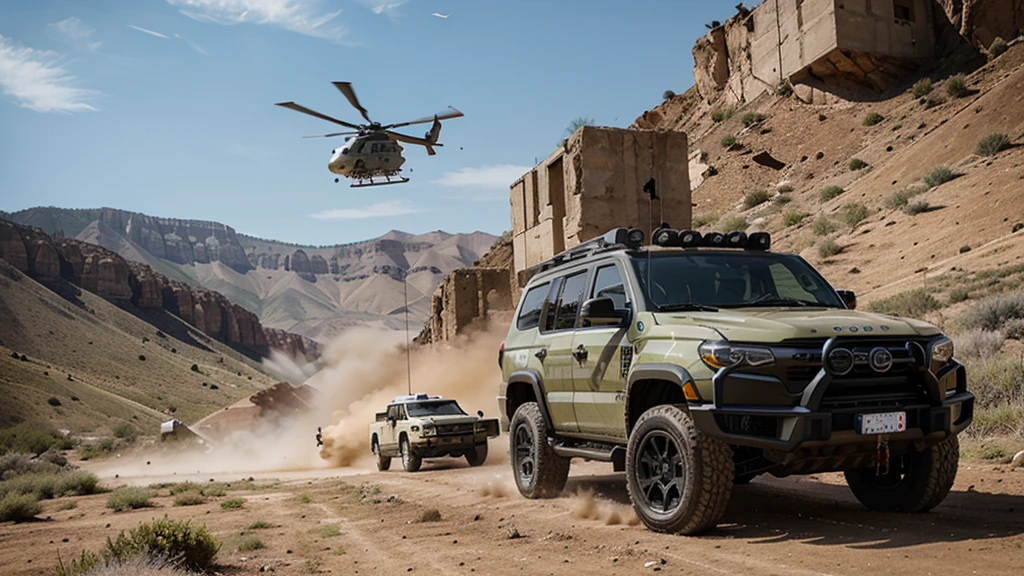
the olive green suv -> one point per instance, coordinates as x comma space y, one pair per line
705, 361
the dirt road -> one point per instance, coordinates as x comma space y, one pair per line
385, 523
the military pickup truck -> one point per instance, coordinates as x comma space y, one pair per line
420, 426
706, 360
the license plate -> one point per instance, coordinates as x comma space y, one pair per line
882, 423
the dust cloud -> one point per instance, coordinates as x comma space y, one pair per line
589, 507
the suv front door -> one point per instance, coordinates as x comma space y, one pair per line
555, 338
599, 374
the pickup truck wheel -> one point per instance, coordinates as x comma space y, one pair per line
679, 478
383, 462
410, 461
539, 472
917, 481
477, 455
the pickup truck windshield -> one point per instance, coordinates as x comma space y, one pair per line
426, 409
720, 279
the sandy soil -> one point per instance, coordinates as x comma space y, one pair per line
795, 526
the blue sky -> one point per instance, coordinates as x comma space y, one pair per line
166, 106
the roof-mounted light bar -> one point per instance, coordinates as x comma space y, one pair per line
670, 238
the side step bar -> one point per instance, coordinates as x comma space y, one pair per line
614, 454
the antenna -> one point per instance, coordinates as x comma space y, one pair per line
408, 351
651, 189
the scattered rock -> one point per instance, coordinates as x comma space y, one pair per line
819, 155
965, 248
854, 270
1017, 227
142, 357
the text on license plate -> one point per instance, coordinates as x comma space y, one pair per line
882, 423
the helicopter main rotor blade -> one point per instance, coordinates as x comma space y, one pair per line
414, 140
346, 89
315, 114
331, 135
452, 113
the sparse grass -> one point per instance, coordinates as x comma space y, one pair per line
900, 198
784, 188
250, 544
129, 498
97, 449
232, 503
984, 451
916, 207
978, 343
959, 294
126, 431
735, 224
823, 226
992, 144
32, 439
793, 218
938, 175
830, 192
47, 485
728, 141
853, 214
184, 487
782, 200
828, 248
997, 382
997, 48
1013, 329
260, 525
873, 118
857, 164
189, 499
16, 507
912, 303
956, 86
992, 313
756, 198
722, 115
330, 531
213, 490
923, 88
702, 220
304, 498
751, 118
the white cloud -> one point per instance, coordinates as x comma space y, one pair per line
192, 44
380, 210
72, 32
497, 176
388, 7
301, 16
36, 80
148, 31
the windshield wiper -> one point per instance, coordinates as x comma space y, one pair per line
769, 300
686, 307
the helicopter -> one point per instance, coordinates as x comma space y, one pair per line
373, 151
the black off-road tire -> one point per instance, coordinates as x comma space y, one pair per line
477, 455
917, 481
410, 461
538, 471
705, 473
383, 462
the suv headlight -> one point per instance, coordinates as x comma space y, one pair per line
721, 354
942, 350
428, 428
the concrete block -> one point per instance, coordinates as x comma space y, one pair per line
530, 206
517, 199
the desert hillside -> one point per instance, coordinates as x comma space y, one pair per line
316, 291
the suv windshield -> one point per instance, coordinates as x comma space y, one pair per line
710, 280
426, 409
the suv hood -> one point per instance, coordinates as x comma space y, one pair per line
776, 324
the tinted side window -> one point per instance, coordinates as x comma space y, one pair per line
533, 303
569, 301
609, 284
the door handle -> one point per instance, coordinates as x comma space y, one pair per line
580, 353
542, 354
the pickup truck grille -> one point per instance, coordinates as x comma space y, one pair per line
445, 429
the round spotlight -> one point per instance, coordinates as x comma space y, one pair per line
665, 237
736, 240
840, 361
690, 238
635, 238
759, 241
880, 359
714, 239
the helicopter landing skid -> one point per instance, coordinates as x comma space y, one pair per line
367, 182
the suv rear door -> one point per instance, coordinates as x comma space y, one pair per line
602, 361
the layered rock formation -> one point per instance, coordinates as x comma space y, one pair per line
982, 21
110, 276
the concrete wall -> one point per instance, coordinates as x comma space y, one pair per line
593, 184
872, 26
465, 296
790, 38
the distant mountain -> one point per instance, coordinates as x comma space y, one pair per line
316, 291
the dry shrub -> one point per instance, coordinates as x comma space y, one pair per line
1013, 329
16, 507
900, 198
939, 175
756, 198
129, 498
857, 164
873, 118
728, 141
47, 485
829, 247
702, 220
735, 224
992, 313
956, 86
189, 499
997, 47
794, 218
829, 192
916, 207
912, 303
853, 214
992, 144
823, 226
978, 343
923, 88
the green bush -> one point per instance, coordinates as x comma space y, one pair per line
702, 220
923, 88
956, 86
912, 303
794, 218
330, 531
829, 193
782, 200
735, 224
938, 175
189, 499
214, 490
32, 439
250, 543
47, 485
916, 207
823, 226
993, 312
784, 188
857, 164
959, 295
829, 247
232, 504
19, 507
14, 464
260, 525
126, 431
992, 144
717, 116
129, 498
192, 547
86, 564
997, 47
97, 450
900, 198
728, 141
756, 198
751, 118
183, 487
873, 118
853, 214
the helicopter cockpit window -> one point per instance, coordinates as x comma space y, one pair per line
344, 151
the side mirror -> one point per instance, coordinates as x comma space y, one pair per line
602, 312
480, 413
849, 298
391, 420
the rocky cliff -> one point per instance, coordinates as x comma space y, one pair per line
108, 275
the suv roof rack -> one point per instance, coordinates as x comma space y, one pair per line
413, 398
614, 239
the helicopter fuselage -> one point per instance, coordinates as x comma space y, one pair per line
367, 155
